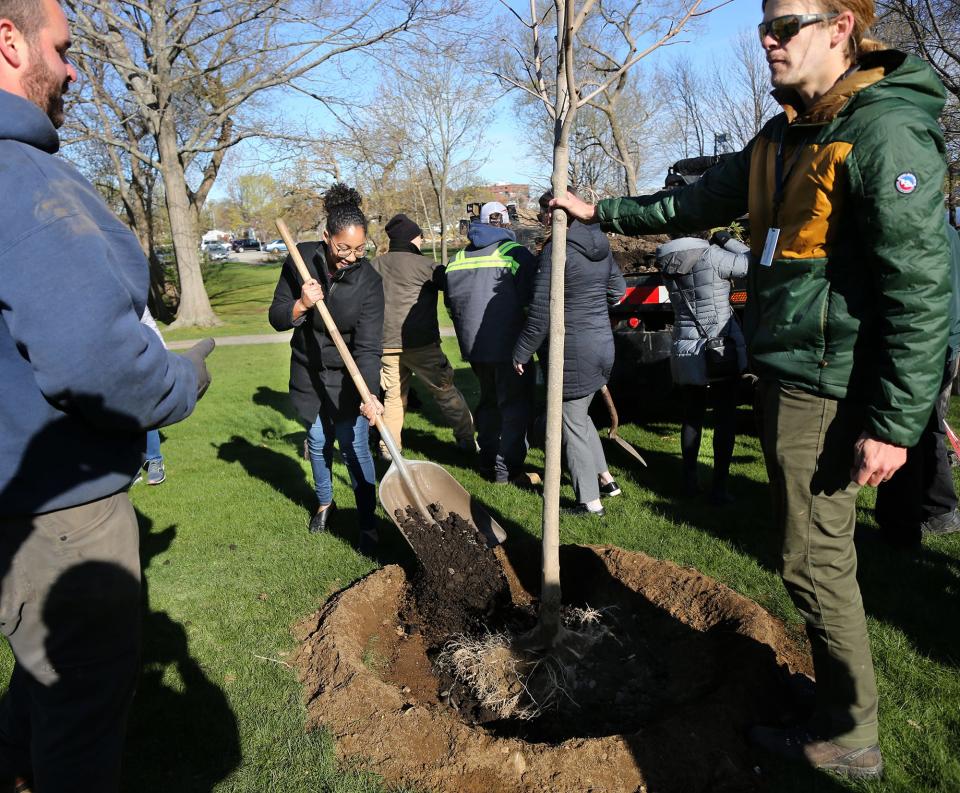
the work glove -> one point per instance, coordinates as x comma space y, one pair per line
720, 238
197, 355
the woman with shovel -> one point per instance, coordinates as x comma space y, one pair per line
320, 386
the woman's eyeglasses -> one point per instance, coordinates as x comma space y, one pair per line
786, 27
343, 251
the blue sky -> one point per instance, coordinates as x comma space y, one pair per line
509, 159
705, 43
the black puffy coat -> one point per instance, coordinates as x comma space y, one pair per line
354, 297
592, 283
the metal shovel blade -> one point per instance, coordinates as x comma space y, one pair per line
437, 486
626, 445
615, 423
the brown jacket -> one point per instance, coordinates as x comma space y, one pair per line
410, 312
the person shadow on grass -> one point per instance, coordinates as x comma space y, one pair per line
182, 736
278, 400
924, 578
282, 472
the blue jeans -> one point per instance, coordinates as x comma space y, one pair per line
153, 445
351, 436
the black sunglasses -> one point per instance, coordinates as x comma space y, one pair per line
786, 27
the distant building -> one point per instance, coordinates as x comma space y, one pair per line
518, 194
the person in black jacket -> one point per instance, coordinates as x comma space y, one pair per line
593, 281
320, 386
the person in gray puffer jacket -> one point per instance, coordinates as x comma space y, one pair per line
697, 274
593, 281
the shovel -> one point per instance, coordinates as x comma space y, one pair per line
614, 423
952, 437
406, 483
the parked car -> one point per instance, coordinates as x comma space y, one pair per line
246, 244
277, 246
218, 251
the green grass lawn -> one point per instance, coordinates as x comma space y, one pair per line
229, 567
240, 294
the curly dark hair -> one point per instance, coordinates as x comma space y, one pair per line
342, 205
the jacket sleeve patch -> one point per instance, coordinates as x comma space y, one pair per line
906, 183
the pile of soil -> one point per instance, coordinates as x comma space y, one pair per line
636, 254
459, 584
662, 705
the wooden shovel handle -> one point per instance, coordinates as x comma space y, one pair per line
328, 322
611, 408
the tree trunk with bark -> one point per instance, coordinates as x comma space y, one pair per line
195, 308
549, 626
623, 150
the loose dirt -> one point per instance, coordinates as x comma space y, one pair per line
636, 254
661, 705
460, 583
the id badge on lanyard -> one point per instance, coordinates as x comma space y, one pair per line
773, 237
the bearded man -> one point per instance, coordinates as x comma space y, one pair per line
81, 381
846, 319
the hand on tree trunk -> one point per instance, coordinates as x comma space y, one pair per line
576, 208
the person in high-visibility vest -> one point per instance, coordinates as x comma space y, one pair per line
487, 286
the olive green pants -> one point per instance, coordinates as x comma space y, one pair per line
808, 444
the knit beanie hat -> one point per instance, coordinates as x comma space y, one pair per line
401, 229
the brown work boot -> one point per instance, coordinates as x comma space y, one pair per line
795, 743
527, 480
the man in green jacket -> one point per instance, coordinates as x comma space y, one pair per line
846, 320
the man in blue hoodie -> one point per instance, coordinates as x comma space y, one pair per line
81, 380
487, 287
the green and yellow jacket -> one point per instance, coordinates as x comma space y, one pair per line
855, 302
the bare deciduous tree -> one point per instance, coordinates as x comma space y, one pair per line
686, 109
566, 19
611, 42
741, 90
434, 102
189, 76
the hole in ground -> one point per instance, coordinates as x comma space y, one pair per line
664, 704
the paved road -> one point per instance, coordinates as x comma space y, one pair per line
261, 338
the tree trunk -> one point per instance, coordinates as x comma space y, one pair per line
141, 223
550, 596
444, 245
194, 309
438, 181
623, 150
426, 215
